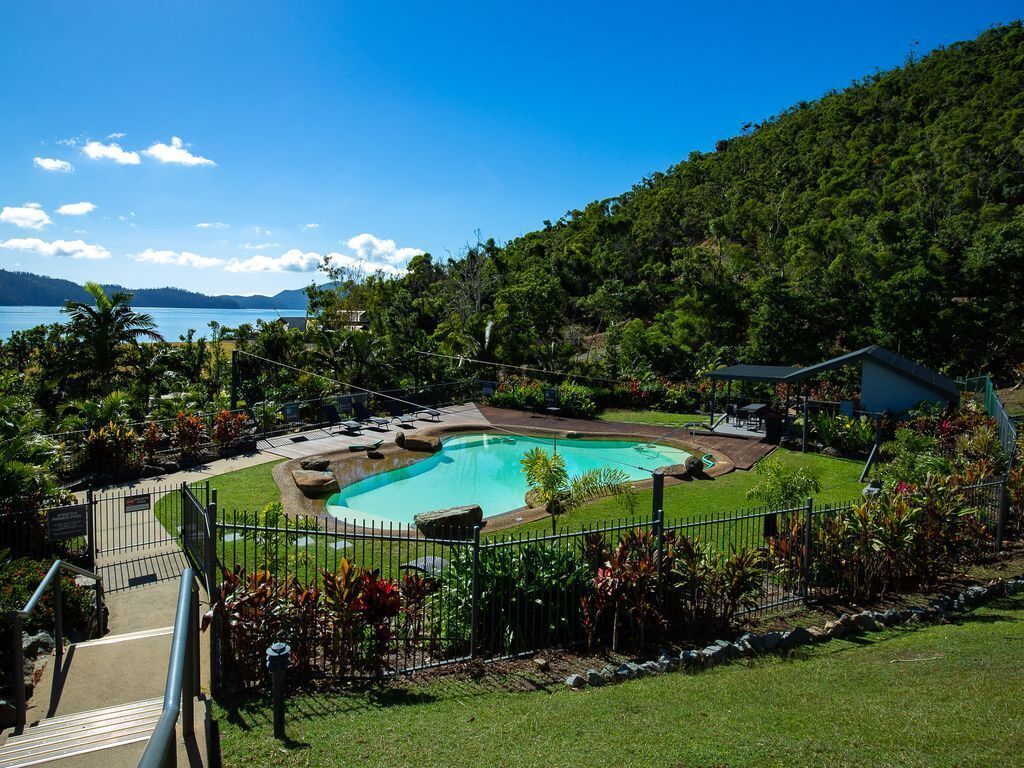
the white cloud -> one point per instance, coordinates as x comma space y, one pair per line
311, 225
28, 216
211, 225
258, 246
175, 152
75, 249
112, 151
53, 164
374, 251
290, 261
116, 136
179, 259
76, 209
74, 141
256, 230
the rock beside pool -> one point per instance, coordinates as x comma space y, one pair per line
316, 463
673, 470
315, 484
693, 465
424, 443
450, 522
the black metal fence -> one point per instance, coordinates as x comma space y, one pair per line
462, 594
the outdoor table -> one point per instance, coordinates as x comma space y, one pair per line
752, 411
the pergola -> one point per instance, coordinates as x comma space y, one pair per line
889, 383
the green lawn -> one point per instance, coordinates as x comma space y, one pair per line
650, 417
936, 696
249, 489
839, 478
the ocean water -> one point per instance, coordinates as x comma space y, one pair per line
484, 469
171, 322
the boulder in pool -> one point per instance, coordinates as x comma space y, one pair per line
315, 484
423, 443
316, 463
453, 522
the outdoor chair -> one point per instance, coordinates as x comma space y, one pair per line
433, 413
551, 402
398, 414
363, 415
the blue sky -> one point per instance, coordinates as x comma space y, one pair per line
372, 131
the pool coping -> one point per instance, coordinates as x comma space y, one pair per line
296, 503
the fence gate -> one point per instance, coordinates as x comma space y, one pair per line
131, 519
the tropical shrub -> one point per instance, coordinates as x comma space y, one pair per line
189, 433
360, 606
152, 439
903, 538
528, 593
255, 610
576, 400
113, 447
782, 487
701, 587
229, 427
910, 458
19, 578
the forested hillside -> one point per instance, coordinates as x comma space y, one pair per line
889, 212
26, 289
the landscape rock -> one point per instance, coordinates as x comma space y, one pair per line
714, 653
835, 629
772, 640
541, 664
786, 642
800, 636
316, 463
651, 668
638, 671
817, 634
756, 642
315, 484
595, 678
451, 522
690, 658
38, 644
422, 443
575, 681
669, 661
865, 622
624, 672
694, 465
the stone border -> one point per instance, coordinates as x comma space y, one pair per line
938, 611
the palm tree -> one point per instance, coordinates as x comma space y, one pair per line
553, 488
28, 459
106, 329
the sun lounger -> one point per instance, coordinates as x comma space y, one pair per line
398, 414
351, 427
359, 407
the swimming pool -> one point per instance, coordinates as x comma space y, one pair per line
484, 469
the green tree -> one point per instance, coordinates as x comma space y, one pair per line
552, 488
106, 332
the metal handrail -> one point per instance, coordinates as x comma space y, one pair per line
182, 685
18, 623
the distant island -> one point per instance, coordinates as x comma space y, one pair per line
20, 289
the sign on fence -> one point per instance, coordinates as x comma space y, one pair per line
67, 522
137, 503
290, 411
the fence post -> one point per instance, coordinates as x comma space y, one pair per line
91, 528
806, 575
804, 435
475, 610
1004, 509
212, 589
658, 523
58, 621
18, 671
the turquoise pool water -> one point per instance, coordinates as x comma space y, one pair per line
484, 469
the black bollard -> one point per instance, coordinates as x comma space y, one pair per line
279, 657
